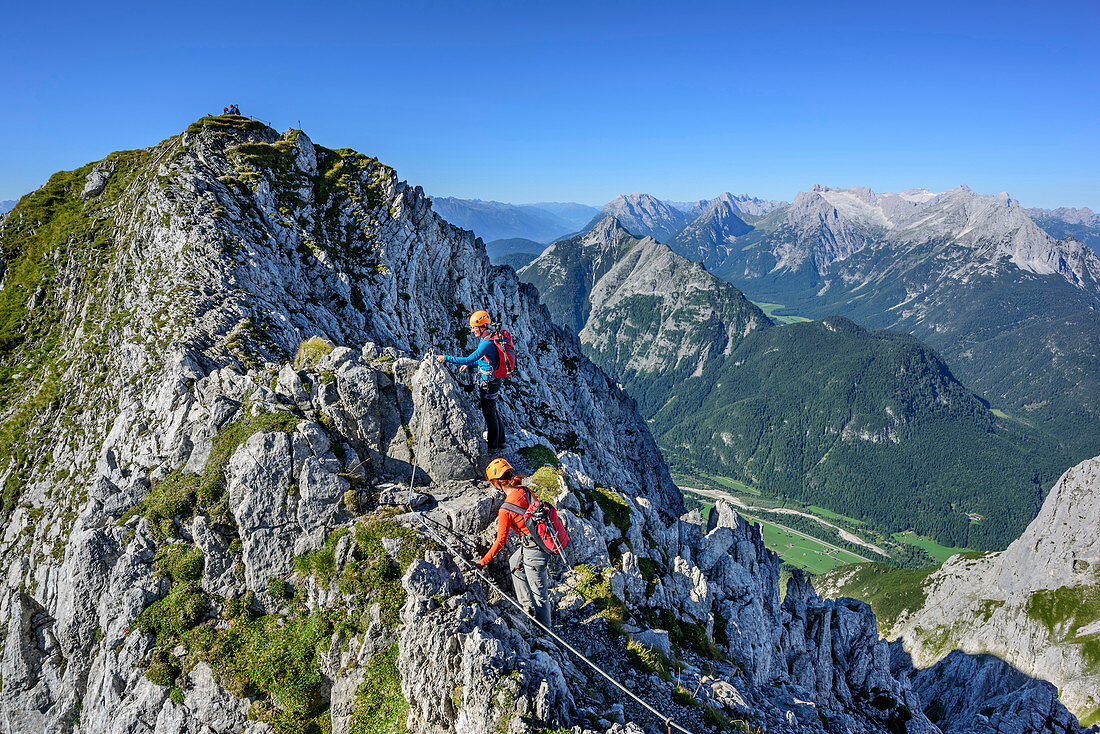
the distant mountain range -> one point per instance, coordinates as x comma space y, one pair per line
647, 216
6, 206
1013, 309
1010, 297
494, 220
514, 252
871, 424
1082, 224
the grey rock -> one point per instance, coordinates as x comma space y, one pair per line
447, 424
259, 476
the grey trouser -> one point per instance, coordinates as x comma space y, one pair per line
531, 581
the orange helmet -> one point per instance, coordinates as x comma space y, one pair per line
498, 469
479, 318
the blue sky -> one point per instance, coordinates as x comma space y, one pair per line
527, 101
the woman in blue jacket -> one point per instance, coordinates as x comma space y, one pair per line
487, 360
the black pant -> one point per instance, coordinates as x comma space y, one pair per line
489, 392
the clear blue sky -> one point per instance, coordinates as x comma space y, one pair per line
527, 101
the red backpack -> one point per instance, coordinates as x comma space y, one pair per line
506, 354
542, 523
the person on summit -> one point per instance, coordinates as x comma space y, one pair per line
530, 562
490, 375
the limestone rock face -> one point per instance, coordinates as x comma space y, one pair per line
1004, 603
998, 698
447, 423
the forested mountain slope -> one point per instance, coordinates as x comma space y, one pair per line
871, 424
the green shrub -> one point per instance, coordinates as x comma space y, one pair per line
311, 351
176, 695
180, 562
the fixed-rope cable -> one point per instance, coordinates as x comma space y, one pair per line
666, 720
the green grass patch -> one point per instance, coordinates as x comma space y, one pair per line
648, 659
938, 552
1065, 610
597, 589
890, 591
229, 122
180, 562
380, 707
545, 484
372, 576
178, 612
321, 563
770, 310
539, 455
311, 351
805, 553
729, 483
611, 503
278, 656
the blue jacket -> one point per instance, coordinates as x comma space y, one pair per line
485, 357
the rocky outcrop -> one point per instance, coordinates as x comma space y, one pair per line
1036, 605
996, 700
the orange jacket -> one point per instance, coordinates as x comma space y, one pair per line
507, 520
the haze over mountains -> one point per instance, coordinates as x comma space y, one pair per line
494, 220
6, 206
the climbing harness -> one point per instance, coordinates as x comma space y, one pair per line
666, 720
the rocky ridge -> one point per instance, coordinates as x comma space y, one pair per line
741, 203
215, 541
1035, 606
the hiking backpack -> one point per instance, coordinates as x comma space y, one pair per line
542, 523
506, 354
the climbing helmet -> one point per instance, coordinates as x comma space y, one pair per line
498, 469
479, 318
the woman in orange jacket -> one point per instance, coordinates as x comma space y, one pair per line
529, 563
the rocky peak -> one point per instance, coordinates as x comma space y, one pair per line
644, 215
